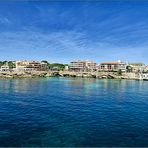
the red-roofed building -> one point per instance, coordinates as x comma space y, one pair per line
112, 66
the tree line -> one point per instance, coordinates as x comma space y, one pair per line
52, 66
11, 64
55, 66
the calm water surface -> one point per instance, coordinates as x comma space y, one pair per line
73, 112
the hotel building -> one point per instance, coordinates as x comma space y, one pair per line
112, 66
28, 66
82, 66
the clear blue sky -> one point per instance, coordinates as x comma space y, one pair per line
65, 30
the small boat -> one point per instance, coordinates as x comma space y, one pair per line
145, 76
145, 79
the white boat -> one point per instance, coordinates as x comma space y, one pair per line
142, 76
145, 76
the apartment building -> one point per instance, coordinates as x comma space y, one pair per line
34, 66
137, 67
112, 66
28, 66
82, 66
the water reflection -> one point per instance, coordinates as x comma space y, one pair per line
73, 112
23, 86
77, 86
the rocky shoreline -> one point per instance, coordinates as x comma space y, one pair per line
109, 75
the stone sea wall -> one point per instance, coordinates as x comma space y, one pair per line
109, 75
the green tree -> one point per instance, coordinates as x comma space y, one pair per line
1, 63
5, 62
44, 61
120, 72
11, 64
129, 68
56, 66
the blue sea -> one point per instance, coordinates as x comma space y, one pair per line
73, 112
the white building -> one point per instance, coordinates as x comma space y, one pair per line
112, 66
66, 68
4, 68
82, 66
44, 66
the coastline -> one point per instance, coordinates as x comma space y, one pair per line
36, 74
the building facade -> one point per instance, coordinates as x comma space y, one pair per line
33, 66
28, 66
137, 67
82, 66
44, 66
112, 66
5, 68
146, 69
